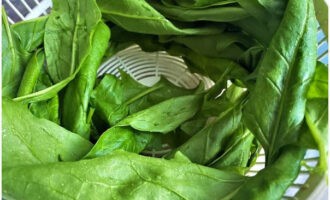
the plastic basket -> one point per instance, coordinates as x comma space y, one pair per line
147, 69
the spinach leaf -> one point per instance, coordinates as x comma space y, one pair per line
216, 13
30, 33
165, 116
255, 29
69, 27
165, 90
47, 109
124, 138
120, 175
31, 73
213, 105
112, 96
19, 41
237, 152
46, 93
68, 35
319, 84
198, 3
223, 45
202, 147
138, 16
77, 94
266, 17
321, 12
265, 185
28, 140
250, 58
284, 75
213, 67
115, 98
13, 59
316, 116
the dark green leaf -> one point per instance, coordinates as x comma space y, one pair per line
215, 13
275, 109
198, 3
214, 68
112, 97
202, 147
237, 152
223, 45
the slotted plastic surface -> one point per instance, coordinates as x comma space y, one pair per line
147, 69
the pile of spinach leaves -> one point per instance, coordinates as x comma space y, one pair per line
68, 133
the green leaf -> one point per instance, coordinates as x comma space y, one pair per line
272, 181
46, 93
275, 109
215, 13
30, 33
165, 116
316, 115
124, 138
165, 90
31, 73
214, 68
47, 109
28, 140
321, 12
68, 36
77, 94
237, 152
222, 45
112, 97
202, 147
120, 175
198, 3
319, 84
18, 43
115, 98
267, 15
13, 59
138, 16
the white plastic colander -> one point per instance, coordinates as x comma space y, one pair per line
147, 68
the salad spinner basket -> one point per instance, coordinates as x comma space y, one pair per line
147, 68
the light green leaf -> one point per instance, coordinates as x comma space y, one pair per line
165, 116
27, 140
120, 175
68, 35
124, 138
